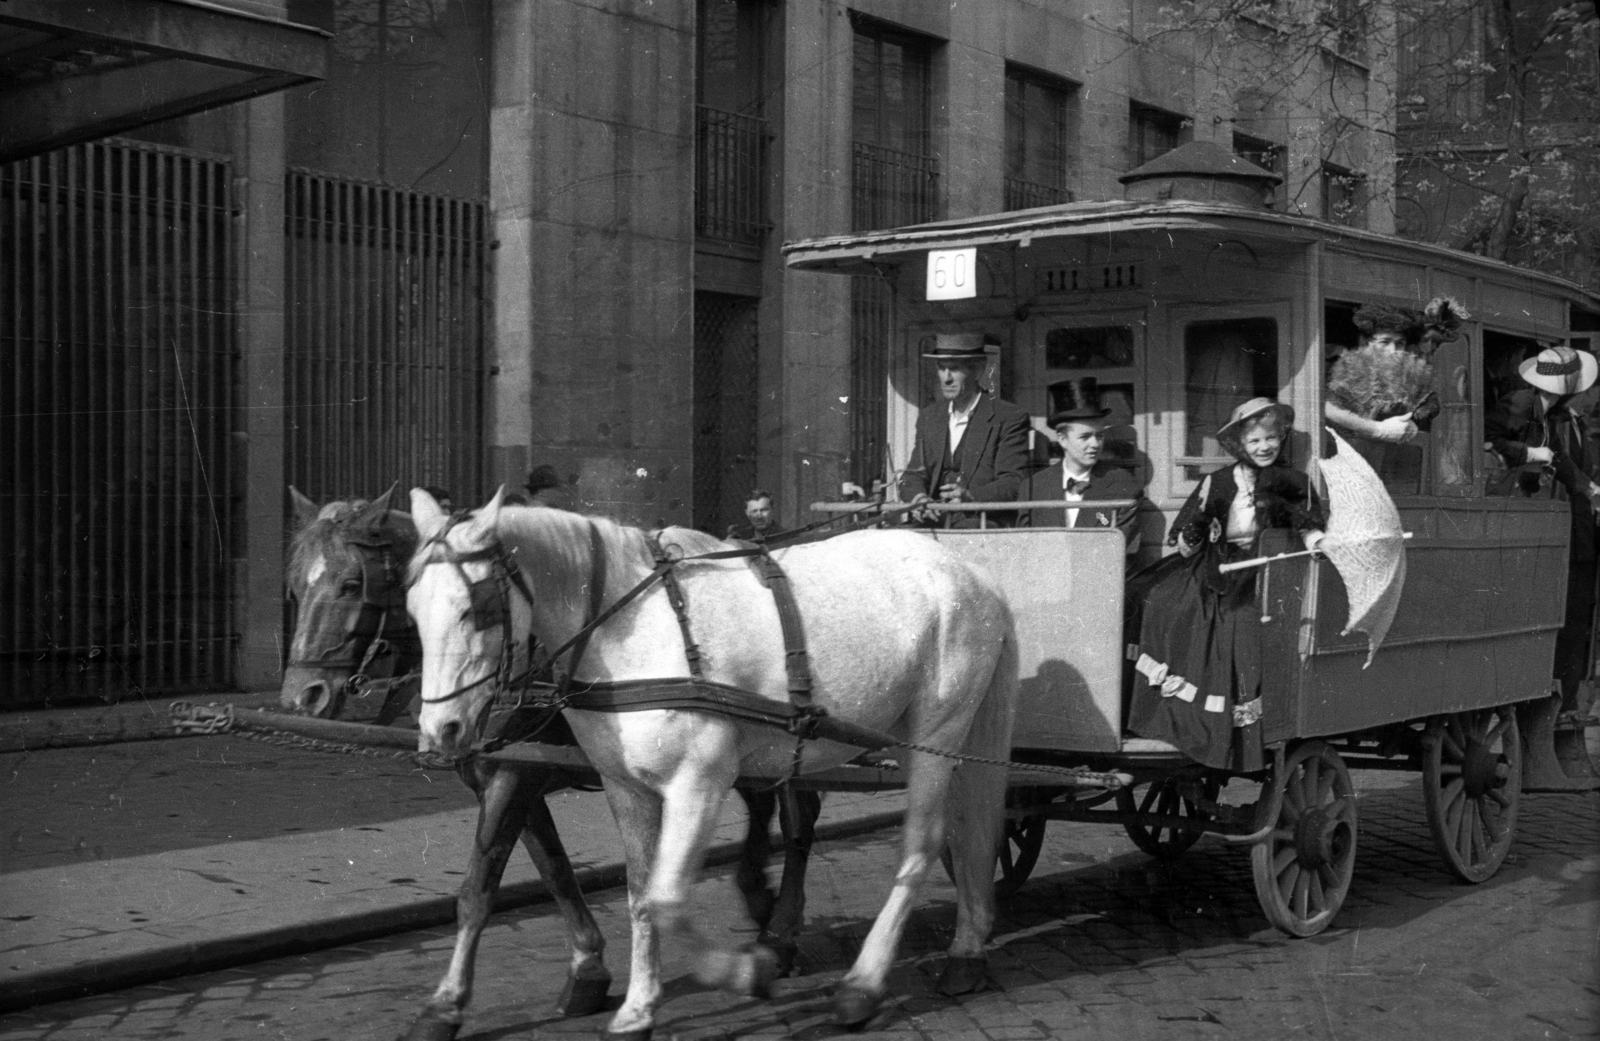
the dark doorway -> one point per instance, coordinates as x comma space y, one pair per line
725, 382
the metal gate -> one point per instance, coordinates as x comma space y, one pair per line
117, 401
384, 362
725, 406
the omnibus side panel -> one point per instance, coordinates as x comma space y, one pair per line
1065, 588
1484, 595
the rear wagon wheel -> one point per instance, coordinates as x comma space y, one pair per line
1302, 869
1472, 786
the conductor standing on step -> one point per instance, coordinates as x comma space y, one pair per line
974, 448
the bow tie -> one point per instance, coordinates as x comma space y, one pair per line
1074, 484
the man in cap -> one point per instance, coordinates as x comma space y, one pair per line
1079, 420
1535, 424
975, 449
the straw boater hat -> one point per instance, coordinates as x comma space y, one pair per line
960, 346
1560, 370
1077, 399
1254, 409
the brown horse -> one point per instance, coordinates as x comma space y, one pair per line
353, 647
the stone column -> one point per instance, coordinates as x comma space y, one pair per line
258, 569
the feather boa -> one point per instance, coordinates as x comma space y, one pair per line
1376, 383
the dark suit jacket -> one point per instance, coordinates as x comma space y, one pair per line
994, 454
1518, 422
1105, 482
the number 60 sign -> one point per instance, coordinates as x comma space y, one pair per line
952, 274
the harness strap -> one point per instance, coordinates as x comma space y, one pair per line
669, 580
796, 662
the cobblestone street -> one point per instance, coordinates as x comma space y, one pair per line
1101, 943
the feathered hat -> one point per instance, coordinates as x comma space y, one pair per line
1373, 319
1441, 323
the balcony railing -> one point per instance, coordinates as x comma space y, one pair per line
893, 188
1025, 195
730, 176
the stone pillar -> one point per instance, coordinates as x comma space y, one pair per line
973, 142
591, 191
258, 569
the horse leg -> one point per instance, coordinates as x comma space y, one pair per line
501, 801
751, 876
637, 810
689, 818
588, 979
799, 809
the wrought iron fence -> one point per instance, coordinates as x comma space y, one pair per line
384, 338
892, 188
730, 176
1025, 195
119, 388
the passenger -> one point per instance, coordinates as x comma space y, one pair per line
545, 488
1198, 664
1536, 424
1079, 421
440, 496
758, 518
973, 450
1384, 390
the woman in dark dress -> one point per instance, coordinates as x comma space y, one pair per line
1197, 665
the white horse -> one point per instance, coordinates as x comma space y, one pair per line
902, 637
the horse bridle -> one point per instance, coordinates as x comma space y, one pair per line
375, 619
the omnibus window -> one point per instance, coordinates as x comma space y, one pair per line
1502, 354
1101, 347
1107, 353
1226, 363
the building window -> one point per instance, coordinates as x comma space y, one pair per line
730, 135
1152, 132
1343, 198
896, 176
1036, 139
1265, 154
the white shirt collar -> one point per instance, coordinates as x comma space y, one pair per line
965, 413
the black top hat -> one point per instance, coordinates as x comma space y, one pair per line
1076, 399
956, 346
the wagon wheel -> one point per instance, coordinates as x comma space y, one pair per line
1165, 797
1303, 867
1471, 785
1016, 854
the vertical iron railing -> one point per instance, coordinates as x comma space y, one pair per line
890, 188
730, 176
1025, 195
120, 397
385, 338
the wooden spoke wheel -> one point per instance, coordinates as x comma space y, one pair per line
1303, 867
1166, 798
1472, 785
1017, 852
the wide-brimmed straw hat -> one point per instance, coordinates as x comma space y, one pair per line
960, 346
1560, 370
1076, 399
1254, 409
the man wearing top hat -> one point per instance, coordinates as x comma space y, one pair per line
1079, 421
974, 449
1535, 424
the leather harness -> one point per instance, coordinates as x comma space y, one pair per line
524, 702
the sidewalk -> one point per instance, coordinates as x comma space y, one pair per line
98, 925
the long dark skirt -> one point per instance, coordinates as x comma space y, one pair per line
1198, 658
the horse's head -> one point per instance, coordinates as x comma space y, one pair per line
472, 608
346, 576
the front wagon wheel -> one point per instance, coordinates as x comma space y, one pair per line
1472, 786
1303, 867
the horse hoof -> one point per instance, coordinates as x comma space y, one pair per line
785, 951
762, 967
583, 997
642, 1034
963, 976
433, 1026
853, 1006
759, 904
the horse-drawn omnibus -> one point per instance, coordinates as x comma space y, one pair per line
1183, 309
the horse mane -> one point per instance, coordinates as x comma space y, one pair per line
325, 536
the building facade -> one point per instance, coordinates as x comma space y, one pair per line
525, 232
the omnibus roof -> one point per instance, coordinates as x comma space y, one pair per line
863, 253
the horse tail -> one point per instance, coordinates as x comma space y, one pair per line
977, 798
